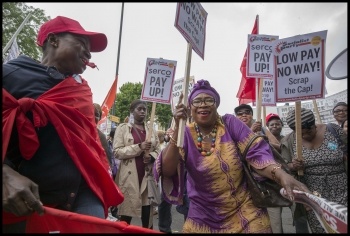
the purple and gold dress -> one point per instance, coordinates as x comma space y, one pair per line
219, 199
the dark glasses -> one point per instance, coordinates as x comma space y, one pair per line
241, 113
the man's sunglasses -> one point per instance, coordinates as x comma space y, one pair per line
241, 113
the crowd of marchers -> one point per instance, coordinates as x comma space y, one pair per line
54, 155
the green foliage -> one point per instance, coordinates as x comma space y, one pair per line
128, 92
13, 15
164, 115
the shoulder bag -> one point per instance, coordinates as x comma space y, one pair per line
153, 190
265, 193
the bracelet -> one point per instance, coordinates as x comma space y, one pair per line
273, 173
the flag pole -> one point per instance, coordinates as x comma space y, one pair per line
15, 34
109, 101
118, 55
120, 37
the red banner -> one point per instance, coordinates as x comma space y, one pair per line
58, 221
109, 101
246, 92
332, 216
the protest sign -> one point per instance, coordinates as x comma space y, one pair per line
260, 56
268, 93
177, 89
158, 82
191, 20
300, 67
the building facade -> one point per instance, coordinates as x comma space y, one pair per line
323, 110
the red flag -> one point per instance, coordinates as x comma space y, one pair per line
246, 92
109, 101
59, 221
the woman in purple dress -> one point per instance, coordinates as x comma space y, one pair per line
220, 200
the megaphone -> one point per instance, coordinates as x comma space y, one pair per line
338, 69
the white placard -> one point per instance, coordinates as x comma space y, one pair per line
300, 66
191, 20
260, 59
177, 89
268, 93
158, 82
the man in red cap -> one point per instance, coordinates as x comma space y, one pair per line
275, 125
52, 155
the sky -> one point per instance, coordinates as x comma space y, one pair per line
148, 31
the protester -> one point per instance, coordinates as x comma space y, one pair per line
244, 112
51, 152
137, 156
115, 161
274, 125
219, 199
340, 112
322, 163
115, 167
181, 208
103, 139
164, 209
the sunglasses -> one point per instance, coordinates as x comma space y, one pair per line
241, 113
207, 102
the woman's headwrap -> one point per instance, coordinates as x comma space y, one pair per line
203, 86
307, 118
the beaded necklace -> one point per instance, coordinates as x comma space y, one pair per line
200, 139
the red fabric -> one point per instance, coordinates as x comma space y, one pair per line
68, 106
246, 92
57, 221
109, 101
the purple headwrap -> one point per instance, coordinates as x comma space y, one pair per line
203, 86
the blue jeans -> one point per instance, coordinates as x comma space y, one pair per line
86, 203
164, 216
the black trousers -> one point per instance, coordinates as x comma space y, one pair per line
145, 214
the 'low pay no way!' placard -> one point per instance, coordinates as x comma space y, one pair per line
159, 79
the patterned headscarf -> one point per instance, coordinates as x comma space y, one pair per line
203, 86
307, 118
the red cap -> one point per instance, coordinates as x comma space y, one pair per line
270, 116
61, 24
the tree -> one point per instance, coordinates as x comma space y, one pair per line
13, 15
131, 91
